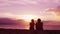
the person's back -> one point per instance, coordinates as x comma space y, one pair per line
39, 25
32, 25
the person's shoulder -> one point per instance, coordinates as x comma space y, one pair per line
30, 22
41, 22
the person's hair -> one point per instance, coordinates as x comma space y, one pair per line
39, 20
32, 20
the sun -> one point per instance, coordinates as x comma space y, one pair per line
28, 17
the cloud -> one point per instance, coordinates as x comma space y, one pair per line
56, 10
31, 1
10, 21
50, 1
9, 15
26, 2
57, 1
17, 2
23, 6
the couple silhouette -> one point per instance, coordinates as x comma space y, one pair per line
38, 25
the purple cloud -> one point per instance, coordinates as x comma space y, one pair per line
8, 21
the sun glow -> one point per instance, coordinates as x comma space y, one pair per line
28, 17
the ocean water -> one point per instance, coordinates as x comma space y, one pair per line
47, 25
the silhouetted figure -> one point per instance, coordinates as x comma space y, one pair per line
32, 24
39, 25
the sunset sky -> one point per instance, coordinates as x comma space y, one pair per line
44, 9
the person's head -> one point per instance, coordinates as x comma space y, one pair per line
32, 20
39, 20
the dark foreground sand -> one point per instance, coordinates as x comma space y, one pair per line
19, 31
